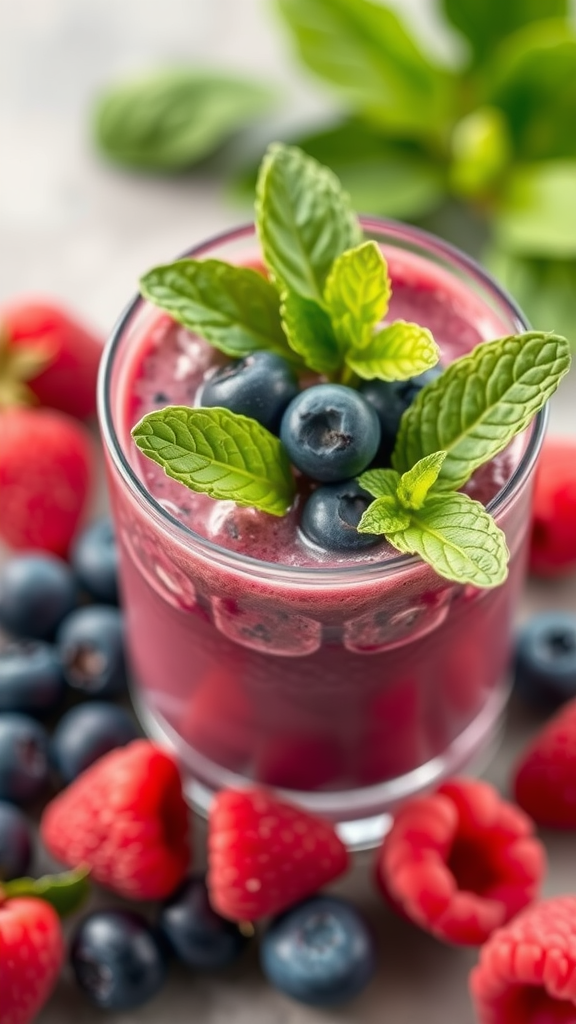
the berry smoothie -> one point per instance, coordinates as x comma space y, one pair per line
350, 680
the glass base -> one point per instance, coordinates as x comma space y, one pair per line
361, 816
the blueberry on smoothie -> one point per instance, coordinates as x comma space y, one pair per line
31, 677
330, 432
545, 662
36, 592
390, 399
321, 952
331, 515
260, 386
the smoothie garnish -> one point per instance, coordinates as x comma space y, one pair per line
323, 309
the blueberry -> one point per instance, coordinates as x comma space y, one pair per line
15, 843
331, 515
545, 660
198, 935
86, 733
320, 952
390, 399
36, 592
24, 758
330, 432
95, 561
91, 648
31, 677
261, 385
117, 959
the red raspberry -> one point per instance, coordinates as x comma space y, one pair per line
544, 777
45, 477
31, 955
527, 970
70, 353
264, 854
125, 817
553, 541
461, 862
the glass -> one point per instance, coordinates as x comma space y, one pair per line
348, 687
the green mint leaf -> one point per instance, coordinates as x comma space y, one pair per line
381, 483
457, 537
304, 220
384, 516
65, 892
364, 49
485, 24
219, 453
475, 408
234, 308
357, 294
414, 485
538, 213
171, 119
397, 352
310, 334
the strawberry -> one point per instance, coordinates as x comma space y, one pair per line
544, 777
45, 475
31, 955
265, 854
553, 539
53, 353
124, 817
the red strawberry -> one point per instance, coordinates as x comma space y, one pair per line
45, 476
265, 854
31, 955
67, 355
124, 817
544, 783
553, 540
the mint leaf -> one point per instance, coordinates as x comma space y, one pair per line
538, 213
219, 453
414, 485
304, 220
171, 119
310, 334
455, 535
66, 892
381, 483
234, 308
385, 515
357, 294
397, 352
475, 408
485, 24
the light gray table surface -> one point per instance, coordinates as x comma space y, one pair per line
74, 228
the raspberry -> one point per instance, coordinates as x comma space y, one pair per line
544, 777
461, 862
553, 540
126, 818
527, 970
264, 854
31, 955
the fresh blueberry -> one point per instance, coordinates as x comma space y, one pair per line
15, 843
24, 758
545, 661
31, 677
198, 935
390, 399
261, 385
91, 648
330, 432
331, 515
95, 561
36, 592
321, 952
117, 959
86, 733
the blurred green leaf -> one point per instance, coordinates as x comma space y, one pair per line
538, 216
486, 22
481, 151
382, 178
170, 120
364, 49
545, 290
533, 81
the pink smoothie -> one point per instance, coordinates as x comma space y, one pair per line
260, 657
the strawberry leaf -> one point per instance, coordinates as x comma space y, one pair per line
66, 892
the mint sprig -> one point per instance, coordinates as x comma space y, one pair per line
219, 453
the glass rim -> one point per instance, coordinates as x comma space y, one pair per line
315, 574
